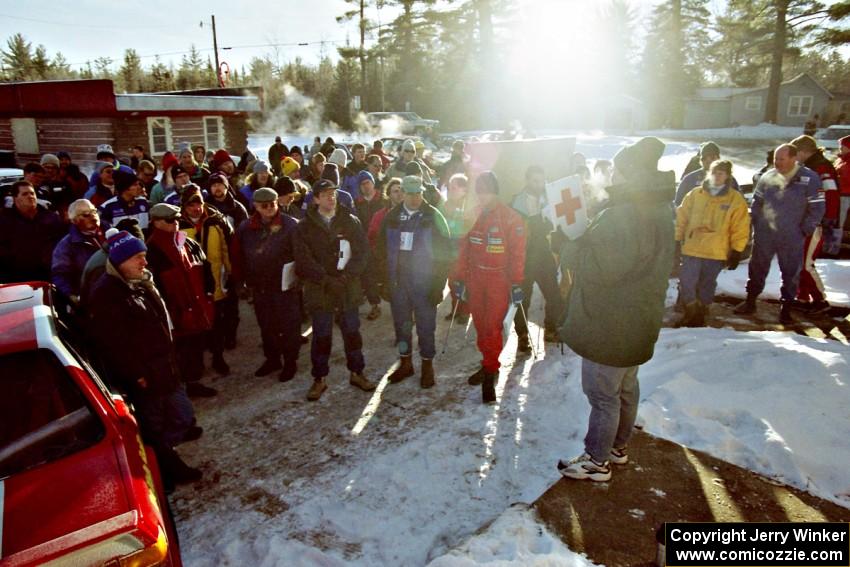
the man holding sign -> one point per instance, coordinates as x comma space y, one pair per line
262, 256
540, 268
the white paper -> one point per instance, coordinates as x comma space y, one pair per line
222, 277
407, 241
344, 254
288, 278
508, 321
566, 208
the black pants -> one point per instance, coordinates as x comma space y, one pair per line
543, 272
225, 323
279, 317
190, 356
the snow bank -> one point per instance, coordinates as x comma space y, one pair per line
515, 539
773, 403
834, 273
760, 132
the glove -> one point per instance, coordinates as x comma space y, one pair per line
733, 260
516, 294
459, 290
557, 239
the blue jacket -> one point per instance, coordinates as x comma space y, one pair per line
791, 211
116, 209
259, 252
693, 180
426, 266
69, 259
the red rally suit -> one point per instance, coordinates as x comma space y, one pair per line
491, 258
811, 286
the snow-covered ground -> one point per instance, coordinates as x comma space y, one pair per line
404, 476
768, 132
834, 273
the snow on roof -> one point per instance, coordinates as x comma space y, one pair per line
159, 103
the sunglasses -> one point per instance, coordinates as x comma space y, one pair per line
409, 152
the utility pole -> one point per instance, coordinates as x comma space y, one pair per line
215, 49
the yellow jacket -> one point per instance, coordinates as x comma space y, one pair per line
711, 227
214, 244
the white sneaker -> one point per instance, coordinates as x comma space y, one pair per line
618, 456
584, 467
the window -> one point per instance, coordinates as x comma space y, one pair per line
43, 414
753, 103
159, 134
213, 132
25, 134
800, 105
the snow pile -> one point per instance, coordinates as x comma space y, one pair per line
834, 273
773, 403
761, 132
515, 539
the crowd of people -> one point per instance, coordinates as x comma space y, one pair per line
161, 255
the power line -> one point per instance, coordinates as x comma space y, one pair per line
76, 25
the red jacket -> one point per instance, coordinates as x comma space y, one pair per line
829, 183
495, 245
842, 167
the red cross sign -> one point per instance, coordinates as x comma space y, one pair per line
566, 205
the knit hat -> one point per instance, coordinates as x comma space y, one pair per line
338, 157
363, 176
101, 165
844, 142
104, 150
63, 154
123, 180
419, 145
296, 150
640, 158
220, 157
177, 170
185, 148
264, 195
123, 246
131, 225
260, 166
219, 177
191, 193
284, 186
164, 211
408, 146
413, 168
288, 166
709, 148
331, 173
49, 159
169, 160
486, 183
412, 184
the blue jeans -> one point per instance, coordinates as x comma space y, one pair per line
698, 279
789, 251
320, 348
613, 394
406, 305
164, 419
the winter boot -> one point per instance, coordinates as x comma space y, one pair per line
374, 313
219, 365
176, 470
359, 381
269, 366
785, 313
488, 388
522, 344
426, 377
198, 390
821, 306
290, 369
476, 378
316, 389
551, 336
404, 370
693, 316
747, 307
192, 434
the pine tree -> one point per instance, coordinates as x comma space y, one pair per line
102, 67
17, 58
41, 69
60, 68
338, 101
131, 72
359, 12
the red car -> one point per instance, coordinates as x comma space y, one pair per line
77, 485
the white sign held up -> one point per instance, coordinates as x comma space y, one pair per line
566, 208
